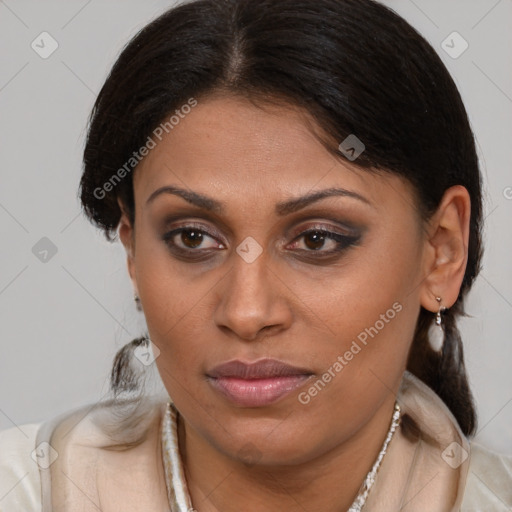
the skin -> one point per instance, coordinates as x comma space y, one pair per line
288, 304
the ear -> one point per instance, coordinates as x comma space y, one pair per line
446, 250
127, 236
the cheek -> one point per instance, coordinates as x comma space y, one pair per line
165, 292
352, 297
368, 311
176, 309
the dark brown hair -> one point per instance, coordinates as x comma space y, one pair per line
354, 65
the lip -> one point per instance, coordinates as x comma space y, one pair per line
258, 383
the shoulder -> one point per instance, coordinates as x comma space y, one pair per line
50, 465
20, 486
489, 481
109, 457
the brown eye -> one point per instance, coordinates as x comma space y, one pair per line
323, 242
191, 238
314, 240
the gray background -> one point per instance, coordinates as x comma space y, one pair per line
62, 320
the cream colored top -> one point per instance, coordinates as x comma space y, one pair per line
74, 463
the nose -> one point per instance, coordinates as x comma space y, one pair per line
254, 300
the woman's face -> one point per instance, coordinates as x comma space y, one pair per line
263, 269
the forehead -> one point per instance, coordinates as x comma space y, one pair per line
231, 149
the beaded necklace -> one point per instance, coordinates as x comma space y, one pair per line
175, 478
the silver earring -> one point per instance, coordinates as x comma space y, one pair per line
137, 302
436, 330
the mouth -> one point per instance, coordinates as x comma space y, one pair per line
256, 384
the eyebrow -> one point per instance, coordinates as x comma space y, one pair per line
281, 209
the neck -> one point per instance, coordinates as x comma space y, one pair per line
330, 482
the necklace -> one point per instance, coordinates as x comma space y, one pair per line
179, 500
361, 497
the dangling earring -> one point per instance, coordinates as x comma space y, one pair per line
137, 302
436, 330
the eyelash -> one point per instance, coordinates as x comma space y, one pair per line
343, 241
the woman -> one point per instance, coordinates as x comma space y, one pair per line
296, 187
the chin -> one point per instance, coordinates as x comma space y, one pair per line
277, 446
